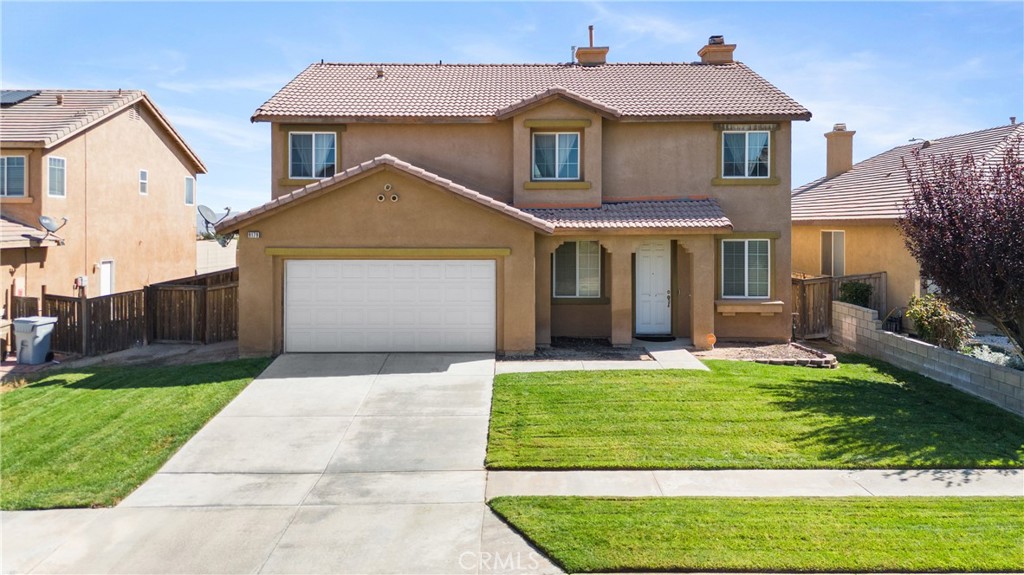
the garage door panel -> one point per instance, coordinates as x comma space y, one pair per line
389, 305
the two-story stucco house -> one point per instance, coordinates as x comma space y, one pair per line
111, 164
437, 207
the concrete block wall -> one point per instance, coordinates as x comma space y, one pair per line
859, 329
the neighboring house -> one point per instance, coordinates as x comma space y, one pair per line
845, 223
437, 207
213, 257
109, 162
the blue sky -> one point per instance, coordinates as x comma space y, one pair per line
891, 71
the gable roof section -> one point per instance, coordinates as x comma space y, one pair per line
38, 121
318, 188
551, 94
876, 188
703, 215
14, 234
480, 92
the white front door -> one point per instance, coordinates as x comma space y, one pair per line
654, 288
106, 277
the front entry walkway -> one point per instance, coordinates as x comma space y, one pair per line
340, 463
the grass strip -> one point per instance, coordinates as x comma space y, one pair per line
868, 534
741, 415
88, 438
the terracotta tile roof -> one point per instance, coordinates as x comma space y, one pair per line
40, 121
14, 234
349, 92
235, 222
703, 214
877, 187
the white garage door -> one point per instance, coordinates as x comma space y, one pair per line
389, 305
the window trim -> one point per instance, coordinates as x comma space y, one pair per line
25, 174
143, 182
313, 170
556, 134
49, 180
554, 272
746, 269
746, 160
187, 180
821, 255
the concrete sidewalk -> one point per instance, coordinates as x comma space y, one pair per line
761, 483
667, 355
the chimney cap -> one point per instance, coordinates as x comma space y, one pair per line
839, 127
716, 40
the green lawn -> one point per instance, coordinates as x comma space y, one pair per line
742, 415
87, 438
912, 534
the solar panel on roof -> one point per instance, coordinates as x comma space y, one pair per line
12, 97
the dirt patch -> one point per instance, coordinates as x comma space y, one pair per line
581, 349
754, 351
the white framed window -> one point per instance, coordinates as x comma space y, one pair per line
12, 176
577, 270
746, 154
833, 253
144, 183
556, 156
746, 268
311, 155
56, 177
190, 191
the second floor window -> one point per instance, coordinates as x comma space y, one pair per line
745, 268
556, 156
12, 176
56, 177
745, 154
190, 190
143, 182
311, 155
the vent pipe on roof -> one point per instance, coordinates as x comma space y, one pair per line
380, 72
838, 151
717, 51
591, 55
60, 99
1013, 120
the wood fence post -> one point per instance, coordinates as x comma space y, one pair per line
83, 324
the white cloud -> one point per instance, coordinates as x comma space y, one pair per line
206, 130
266, 83
628, 25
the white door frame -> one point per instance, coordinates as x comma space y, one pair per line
652, 309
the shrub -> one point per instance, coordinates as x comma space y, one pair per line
938, 324
856, 293
996, 356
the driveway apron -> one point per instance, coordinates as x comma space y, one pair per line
326, 463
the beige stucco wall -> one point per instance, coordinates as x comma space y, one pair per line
870, 247
150, 238
349, 216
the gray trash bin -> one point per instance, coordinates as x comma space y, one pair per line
32, 336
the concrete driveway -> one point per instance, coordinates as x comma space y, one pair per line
340, 463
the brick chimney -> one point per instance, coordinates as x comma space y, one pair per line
839, 151
591, 55
717, 51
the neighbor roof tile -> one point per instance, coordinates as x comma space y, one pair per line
703, 214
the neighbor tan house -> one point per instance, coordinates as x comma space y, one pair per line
111, 164
443, 207
845, 223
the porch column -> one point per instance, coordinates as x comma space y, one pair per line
702, 314
621, 251
544, 247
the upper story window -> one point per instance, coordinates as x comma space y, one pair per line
833, 253
556, 156
190, 191
144, 182
577, 269
12, 176
745, 154
745, 268
56, 177
311, 155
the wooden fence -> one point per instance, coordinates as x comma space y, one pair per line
24, 306
199, 309
812, 301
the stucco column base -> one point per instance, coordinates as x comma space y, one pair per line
621, 251
702, 316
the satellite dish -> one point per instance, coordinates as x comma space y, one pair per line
50, 225
211, 220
